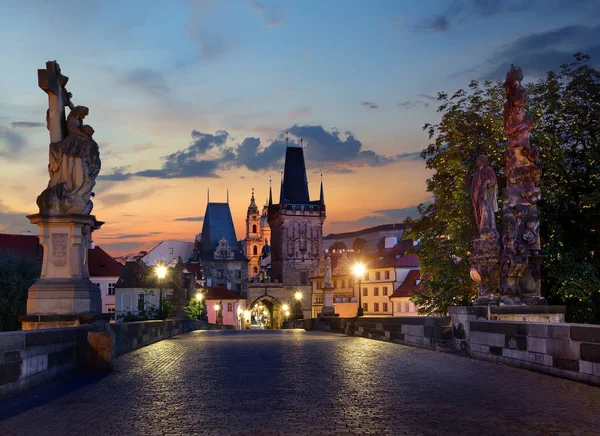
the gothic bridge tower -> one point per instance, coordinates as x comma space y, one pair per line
296, 224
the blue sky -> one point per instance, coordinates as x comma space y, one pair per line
357, 79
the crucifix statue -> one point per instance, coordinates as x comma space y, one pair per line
74, 161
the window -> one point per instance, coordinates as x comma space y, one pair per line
365, 292
170, 251
255, 250
399, 306
376, 292
126, 302
238, 274
303, 277
343, 284
407, 307
385, 290
318, 284
335, 283
385, 307
238, 288
387, 275
253, 228
365, 307
255, 270
220, 274
318, 300
140, 302
376, 307
229, 307
378, 275
111, 289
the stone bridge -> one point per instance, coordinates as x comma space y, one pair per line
290, 382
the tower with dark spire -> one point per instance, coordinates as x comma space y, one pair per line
296, 224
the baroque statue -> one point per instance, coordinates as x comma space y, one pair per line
484, 196
74, 157
521, 242
485, 259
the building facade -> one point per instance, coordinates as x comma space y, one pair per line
223, 262
372, 237
342, 280
258, 236
400, 299
225, 307
104, 273
169, 252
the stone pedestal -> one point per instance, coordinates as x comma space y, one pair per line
64, 292
328, 309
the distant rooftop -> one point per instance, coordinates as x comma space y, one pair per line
357, 233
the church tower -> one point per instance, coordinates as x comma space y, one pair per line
254, 241
296, 224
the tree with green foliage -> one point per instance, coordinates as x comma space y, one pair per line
565, 106
194, 308
16, 276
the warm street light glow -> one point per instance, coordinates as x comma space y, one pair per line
217, 307
161, 271
287, 313
199, 296
358, 270
285, 307
298, 295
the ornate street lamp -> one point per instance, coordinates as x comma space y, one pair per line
359, 271
217, 308
161, 273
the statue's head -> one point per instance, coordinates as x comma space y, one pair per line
81, 111
482, 161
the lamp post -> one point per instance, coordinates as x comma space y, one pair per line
359, 271
298, 297
161, 273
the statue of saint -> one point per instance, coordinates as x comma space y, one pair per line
328, 273
73, 166
484, 196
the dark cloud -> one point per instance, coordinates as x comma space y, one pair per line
25, 124
370, 105
191, 218
402, 213
324, 149
271, 13
411, 104
385, 216
117, 175
428, 97
270, 157
439, 23
203, 142
541, 52
415, 155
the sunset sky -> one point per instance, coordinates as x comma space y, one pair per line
190, 95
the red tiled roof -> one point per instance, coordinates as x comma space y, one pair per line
194, 268
408, 261
101, 264
409, 285
24, 246
221, 293
386, 258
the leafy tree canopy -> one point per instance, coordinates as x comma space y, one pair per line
565, 106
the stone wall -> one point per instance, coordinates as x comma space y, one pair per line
129, 336
566, 350
28, 358
419, 331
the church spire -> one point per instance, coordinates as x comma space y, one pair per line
253, 205
270, 193
322, 198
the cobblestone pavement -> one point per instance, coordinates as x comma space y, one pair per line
295, 382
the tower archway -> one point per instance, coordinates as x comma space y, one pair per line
266, 312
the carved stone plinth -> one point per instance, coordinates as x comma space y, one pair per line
328, 309
485, 267
64, 287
